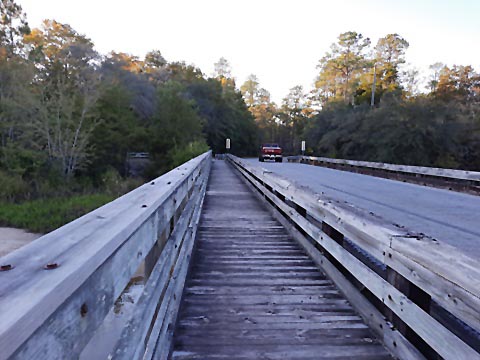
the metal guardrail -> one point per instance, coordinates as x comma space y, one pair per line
447, 178
418, 271
56, 291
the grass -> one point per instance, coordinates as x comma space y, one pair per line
45, 215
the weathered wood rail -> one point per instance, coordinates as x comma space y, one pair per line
252, 292
421, 298
458, 180
55, 292
414, 292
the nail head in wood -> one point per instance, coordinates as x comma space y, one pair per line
51, 266
83, 310
6, 267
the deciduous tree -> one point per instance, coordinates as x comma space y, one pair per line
13, 26
69, 85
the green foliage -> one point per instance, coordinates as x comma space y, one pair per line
293, 116
222, 69
459, 83
117, 133
226, 116
421, 131
112, 183
45, 215
21, 161
13, 25
67, 87
12, 187
154, 59
250, 90
188, 152
175, 124
69, 116
390, 53
340, 68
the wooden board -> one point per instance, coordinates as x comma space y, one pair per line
473, 176
52, 314
364, 228
134, 336
449, 276
253, 293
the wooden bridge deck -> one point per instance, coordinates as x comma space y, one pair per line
252, 293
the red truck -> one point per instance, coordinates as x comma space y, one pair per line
270, 152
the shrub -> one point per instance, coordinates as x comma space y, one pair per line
12, 187
45, 215
190, 151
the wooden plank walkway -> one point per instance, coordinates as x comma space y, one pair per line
252, 293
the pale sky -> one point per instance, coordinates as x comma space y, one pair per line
279, 41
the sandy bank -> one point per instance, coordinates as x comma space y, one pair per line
12, 239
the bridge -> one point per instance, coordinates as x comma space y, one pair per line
238, 261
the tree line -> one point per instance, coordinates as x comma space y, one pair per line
69, 115
366, 105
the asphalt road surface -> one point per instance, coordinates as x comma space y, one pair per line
447, 216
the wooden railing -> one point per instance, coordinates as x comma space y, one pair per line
460, 180
55, 292
421, 297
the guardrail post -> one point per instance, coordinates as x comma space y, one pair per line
152, 257
403, 285
419, 297
333, 233
302, 211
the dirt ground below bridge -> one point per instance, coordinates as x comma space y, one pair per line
11, 239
